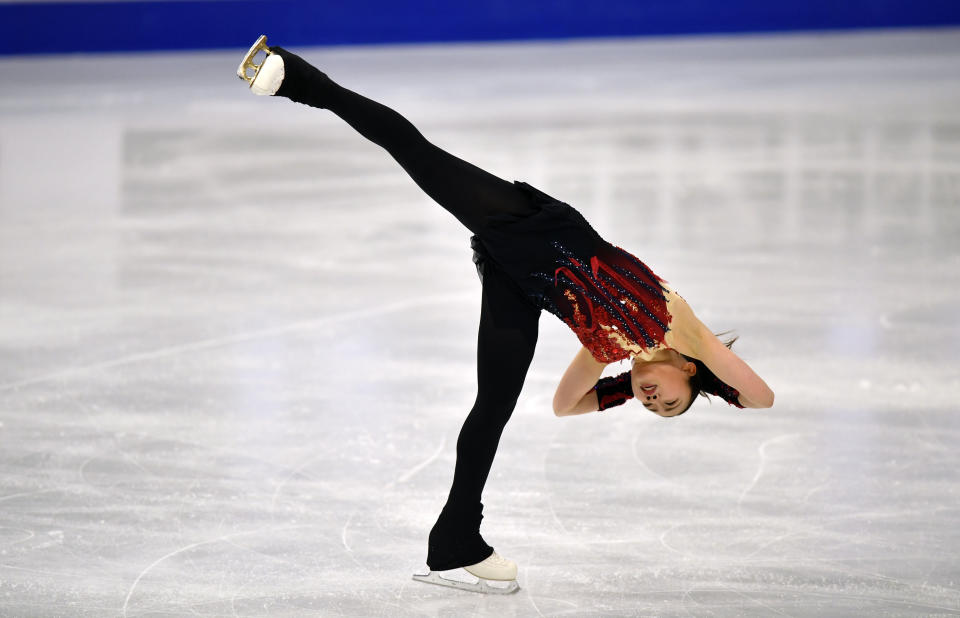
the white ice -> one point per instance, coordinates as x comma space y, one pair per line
237, 342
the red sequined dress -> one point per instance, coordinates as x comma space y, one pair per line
611, 300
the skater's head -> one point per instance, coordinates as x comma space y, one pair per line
663, 385
670, 383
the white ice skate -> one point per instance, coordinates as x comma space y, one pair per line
495, 575
265, 76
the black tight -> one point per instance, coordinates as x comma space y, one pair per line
505, 344
508, 322
463, 189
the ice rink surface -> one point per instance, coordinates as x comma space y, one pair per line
237, 342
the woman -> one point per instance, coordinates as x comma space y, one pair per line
532, 252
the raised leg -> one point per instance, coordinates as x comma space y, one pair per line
469, 193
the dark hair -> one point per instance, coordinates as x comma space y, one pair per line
703, 374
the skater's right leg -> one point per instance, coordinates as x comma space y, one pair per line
505, 345
469, 193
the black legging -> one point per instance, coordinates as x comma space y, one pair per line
508, 322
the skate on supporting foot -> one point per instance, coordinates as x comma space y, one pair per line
495, 575
264, 78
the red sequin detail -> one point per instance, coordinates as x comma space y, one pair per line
617, 301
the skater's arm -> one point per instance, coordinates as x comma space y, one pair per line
726, 365
693, 338
575, 394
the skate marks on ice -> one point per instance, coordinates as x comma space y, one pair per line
762, 453
412, 472
779, 506
191, 546
165, 352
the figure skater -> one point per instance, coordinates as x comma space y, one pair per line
532, 252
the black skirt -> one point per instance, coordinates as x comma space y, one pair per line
528, 248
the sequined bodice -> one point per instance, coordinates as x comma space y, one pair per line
613, 302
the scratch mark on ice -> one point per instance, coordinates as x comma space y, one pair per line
762, 450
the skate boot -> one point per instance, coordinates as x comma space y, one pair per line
494, 575
265, 76
285, 74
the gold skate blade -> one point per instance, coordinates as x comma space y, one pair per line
482, 586
259, 46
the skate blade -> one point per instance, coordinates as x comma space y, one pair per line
248, 64
483, 586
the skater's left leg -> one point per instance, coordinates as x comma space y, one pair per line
505, 346
469, 193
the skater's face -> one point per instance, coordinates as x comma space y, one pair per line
663, 386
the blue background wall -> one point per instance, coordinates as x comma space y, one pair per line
44, 27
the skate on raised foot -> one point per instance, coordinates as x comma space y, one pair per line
495, 575
267, 75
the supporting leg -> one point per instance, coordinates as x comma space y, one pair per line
505, 346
